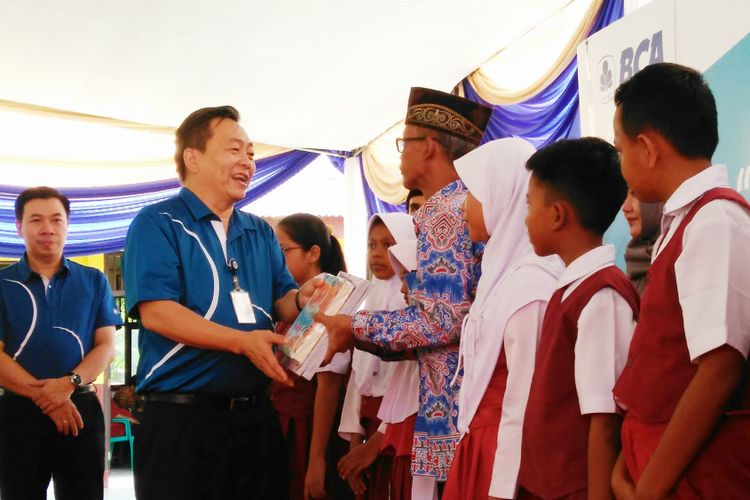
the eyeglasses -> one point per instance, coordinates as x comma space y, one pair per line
287, 249
401, 141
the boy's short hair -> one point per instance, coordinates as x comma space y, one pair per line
674, 101
40, 193
585, 173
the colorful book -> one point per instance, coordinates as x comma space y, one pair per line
308, 340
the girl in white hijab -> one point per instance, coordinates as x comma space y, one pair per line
500, 333
370, 376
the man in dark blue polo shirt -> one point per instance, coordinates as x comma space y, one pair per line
57, 324
207, 282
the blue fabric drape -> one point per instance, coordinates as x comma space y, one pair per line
100, 216
547, 117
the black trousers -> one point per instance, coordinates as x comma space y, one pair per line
190, 452
32, 452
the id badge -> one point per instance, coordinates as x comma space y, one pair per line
243, 308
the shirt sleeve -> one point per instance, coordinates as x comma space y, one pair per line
151, 266
350, 422
605, 328
108, 313
440, 294
521, 338
713, 279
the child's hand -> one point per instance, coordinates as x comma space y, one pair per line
340, 336
315, 480
622, 485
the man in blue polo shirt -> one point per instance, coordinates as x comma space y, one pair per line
57, 324
207, 282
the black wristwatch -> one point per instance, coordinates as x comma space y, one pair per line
75, 379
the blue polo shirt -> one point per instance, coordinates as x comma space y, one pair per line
173, 252
48, 334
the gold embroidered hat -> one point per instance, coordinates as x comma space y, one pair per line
447, 113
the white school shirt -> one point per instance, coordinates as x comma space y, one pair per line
370, 375
712, 272
605, 328
520, 354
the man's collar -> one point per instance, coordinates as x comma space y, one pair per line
200, 210
25, 271
197, 208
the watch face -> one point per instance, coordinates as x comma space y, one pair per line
75, 379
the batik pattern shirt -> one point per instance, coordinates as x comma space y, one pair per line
440, 293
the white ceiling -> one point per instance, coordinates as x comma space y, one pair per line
305, 74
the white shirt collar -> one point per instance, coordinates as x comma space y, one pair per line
586, 264
694, 187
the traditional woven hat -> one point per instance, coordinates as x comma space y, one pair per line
447, 113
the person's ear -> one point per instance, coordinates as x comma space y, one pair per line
313, 255
18, 229
560, 212
648, 148
189, 157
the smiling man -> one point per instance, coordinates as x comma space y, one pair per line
207, 281
57, 323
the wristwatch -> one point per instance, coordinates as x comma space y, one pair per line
75, 379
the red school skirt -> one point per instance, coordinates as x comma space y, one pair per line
397, 443
471, 472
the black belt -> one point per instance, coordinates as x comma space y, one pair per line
232, 403
84, 389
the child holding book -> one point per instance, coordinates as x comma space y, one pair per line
686, 433
309, 409
500, 333
370, 375
571, 428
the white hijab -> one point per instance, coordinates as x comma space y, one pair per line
384, 295
496, 175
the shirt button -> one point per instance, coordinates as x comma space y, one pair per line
629, 363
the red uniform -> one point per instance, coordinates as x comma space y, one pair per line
658, 371
471, 472
554, 452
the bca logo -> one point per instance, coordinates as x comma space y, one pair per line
632, 60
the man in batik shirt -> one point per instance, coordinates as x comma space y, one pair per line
439, 128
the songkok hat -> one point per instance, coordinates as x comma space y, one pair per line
447, 113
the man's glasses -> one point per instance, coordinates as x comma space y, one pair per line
401, 141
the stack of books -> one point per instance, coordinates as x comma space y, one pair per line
308, 340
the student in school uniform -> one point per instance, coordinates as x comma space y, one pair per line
309, 409
571, 428
500, 333
685, 387
398, 410
370, 375
643, 223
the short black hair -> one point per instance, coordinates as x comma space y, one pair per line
412, 194
40, 193
674, 101
196, 130
585, 173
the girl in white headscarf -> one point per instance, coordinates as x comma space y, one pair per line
500, 333
370, 376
